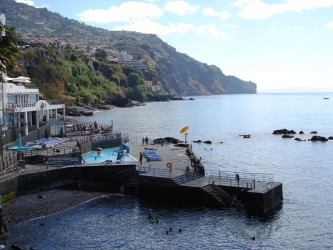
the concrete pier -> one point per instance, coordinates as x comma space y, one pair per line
172, 177
257, 193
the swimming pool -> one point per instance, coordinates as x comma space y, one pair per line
108, 154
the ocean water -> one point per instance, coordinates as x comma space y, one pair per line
305, 169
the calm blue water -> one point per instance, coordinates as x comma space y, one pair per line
304, 168
110, 154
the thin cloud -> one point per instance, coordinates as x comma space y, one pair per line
28, 2
181, 8
330, 24
210, 29
31, 3
126, 12
151, 27
256, 9
211, 12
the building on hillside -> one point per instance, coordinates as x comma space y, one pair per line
21, 107
121, 55
135, 64
45, 41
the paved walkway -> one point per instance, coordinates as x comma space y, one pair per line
169, 153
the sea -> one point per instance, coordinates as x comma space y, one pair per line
305, 168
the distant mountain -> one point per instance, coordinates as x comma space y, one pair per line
176, 73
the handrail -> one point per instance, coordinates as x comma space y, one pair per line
269, 185
223, 193
229, 175
148, 171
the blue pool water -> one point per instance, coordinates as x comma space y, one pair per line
108, 154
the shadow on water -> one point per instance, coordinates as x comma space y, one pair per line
117, 221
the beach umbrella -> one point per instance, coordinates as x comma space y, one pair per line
184, 129
98, 149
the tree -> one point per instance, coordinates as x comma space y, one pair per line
8, 48
134, 80
101, 55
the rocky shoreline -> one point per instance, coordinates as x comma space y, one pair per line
86, 110
31, 206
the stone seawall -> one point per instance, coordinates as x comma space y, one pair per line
87, 177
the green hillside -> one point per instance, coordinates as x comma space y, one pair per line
65, 75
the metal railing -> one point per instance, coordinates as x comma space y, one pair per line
242, 175
154, 172
245, 180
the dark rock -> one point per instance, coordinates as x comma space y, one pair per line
159, 141
318, 138
198, 141
330, 138
283, 132
287, 136
208, 142
171, 140
87, 113
313, 132
301, 132
298, 139
16, 247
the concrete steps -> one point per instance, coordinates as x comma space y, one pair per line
211, 192
222, 197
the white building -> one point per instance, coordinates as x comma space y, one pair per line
121, 55
21, 107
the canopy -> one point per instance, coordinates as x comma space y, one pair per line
184, 129
99, 149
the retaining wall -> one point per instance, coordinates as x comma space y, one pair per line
90, 178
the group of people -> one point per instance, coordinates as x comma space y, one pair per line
145, 140
195, 164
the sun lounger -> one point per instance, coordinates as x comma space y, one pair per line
151, 155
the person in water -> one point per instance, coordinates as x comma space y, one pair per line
150, 214
151, 217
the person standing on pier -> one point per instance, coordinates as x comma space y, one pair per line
140, 158
237, 179
192, 160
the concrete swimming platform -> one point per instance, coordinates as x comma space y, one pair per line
170, 177
254, 192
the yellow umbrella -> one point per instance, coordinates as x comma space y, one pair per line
184, 129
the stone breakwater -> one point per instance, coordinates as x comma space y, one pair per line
27, 207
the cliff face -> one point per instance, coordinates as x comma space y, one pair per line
177, 73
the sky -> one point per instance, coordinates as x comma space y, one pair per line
281, 45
